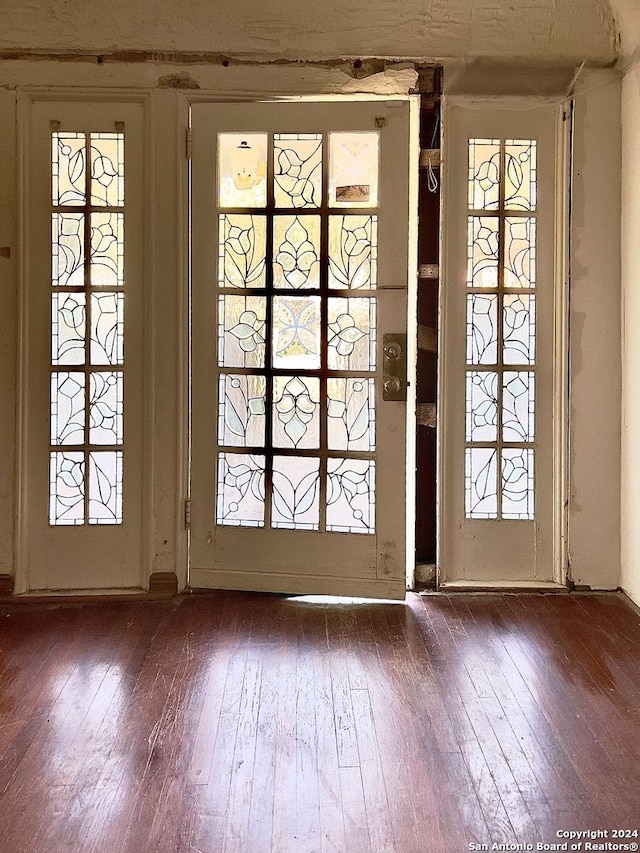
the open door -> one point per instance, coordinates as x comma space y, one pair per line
300, 268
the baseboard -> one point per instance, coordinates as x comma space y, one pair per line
163, 583
6, 584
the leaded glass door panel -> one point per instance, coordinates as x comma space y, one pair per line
300, 235
504, 359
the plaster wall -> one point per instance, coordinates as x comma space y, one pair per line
594, 318
568, 31
630, 579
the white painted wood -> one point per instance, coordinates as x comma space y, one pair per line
86, 556
485, 550
283, 560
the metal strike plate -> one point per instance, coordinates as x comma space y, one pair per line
394, 366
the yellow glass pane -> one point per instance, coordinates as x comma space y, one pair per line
242, 169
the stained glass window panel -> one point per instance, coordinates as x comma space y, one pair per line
484, 174
67, 249
353, 169
296, 252
105, 487
519, 252
242, 249
482, 406
107, 328
481, 496
67, 408
295, 500
66, 488
242, 169
241, 410
519, 329
351, 495
353, 251
68, 318
105, 408
351, 414
518, 405
518, 483
241, 329
520, 174
241, 494
107, 250
483, 251
351, 334
296, 412
68, 168
296, 332
482, 328
107, 169
297, 169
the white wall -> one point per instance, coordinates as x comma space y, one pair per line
631, 334
595, 371
553, 31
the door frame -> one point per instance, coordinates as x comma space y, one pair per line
186, 345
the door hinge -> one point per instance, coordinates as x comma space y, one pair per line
187, 513
188, 144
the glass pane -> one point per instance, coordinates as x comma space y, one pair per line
107, 328
68, 168
241, 410
484, 174
296, 251
107, 169
520, 176
482, 329
297, 169
296, 332
241, 322
295, 499
240, 490
482, 406
517, 483
67, 328
67, 408
351, 414
353, 251
242, 169
105, 408
296, 411
66, 488
353, 169
519, 252
518, 406
67, 249
481, 499
519, 328
482, 251
351, 495
242, 250
352, 334
105, 487
107, 250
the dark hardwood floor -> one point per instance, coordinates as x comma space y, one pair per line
241, 722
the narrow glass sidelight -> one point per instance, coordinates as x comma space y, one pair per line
297, 251
501, 329
87, 329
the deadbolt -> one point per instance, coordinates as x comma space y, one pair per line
394, 366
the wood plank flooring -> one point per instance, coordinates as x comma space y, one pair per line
243, 723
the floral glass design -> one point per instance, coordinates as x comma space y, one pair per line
87, 328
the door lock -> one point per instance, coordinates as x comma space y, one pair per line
394, 366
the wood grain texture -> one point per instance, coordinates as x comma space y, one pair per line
245, 723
